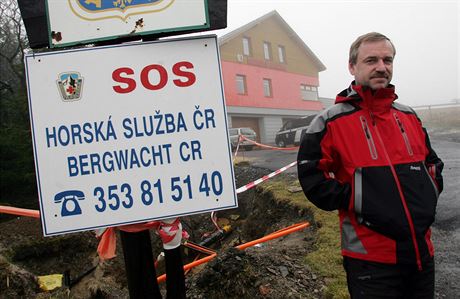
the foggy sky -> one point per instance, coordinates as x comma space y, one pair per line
426, 35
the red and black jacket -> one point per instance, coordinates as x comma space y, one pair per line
371, 159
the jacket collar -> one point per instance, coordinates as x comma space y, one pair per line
379, 101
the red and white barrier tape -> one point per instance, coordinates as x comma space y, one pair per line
169, 230
264, 178
252, 185
269, 146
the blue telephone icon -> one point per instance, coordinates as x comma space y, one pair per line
69, 201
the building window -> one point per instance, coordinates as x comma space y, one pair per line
282, 54
268, 88
241, 84
308, 92
247, 46
267, 51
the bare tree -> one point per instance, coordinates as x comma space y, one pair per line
17, 177
13, 42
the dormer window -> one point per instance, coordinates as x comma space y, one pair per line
246, 46
282, 54
267, 51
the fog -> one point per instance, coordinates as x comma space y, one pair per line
426, 35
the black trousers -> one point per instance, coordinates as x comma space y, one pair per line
377, 280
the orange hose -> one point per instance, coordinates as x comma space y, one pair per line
194, 260
199, 248
274, 235
206, 259
20, 211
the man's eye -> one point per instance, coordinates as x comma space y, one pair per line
388, 60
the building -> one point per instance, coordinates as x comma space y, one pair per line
270, 75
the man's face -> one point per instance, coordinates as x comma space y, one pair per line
374, 65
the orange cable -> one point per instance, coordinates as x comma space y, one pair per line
274, 235
199, 248
206, 259
20, 211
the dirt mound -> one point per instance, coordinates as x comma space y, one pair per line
267, 271
16, 282
275, 269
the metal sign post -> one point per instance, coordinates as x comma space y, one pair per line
139, 265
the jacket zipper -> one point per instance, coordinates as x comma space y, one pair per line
403, 200
370, 140
404, 134
431, 176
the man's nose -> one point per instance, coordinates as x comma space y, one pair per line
381, 65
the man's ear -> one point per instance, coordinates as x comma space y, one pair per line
351, 68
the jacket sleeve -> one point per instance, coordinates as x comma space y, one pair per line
315, 167
434, 163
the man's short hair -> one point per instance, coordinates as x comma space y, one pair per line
368, 37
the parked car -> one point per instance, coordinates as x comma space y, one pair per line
292, 131
249, 133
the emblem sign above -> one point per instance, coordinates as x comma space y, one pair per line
72, 22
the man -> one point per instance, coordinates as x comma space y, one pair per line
369, 157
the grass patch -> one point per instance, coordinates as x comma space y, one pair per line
325, 259
240, 161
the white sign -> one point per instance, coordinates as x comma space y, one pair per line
74, 21
129, 133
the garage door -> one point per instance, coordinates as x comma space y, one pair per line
251, 122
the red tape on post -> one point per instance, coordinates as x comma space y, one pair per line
269, 146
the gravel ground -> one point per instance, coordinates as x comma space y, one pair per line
446, 229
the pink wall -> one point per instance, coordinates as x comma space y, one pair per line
285, 88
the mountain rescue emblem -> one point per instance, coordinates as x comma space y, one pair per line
70, 86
